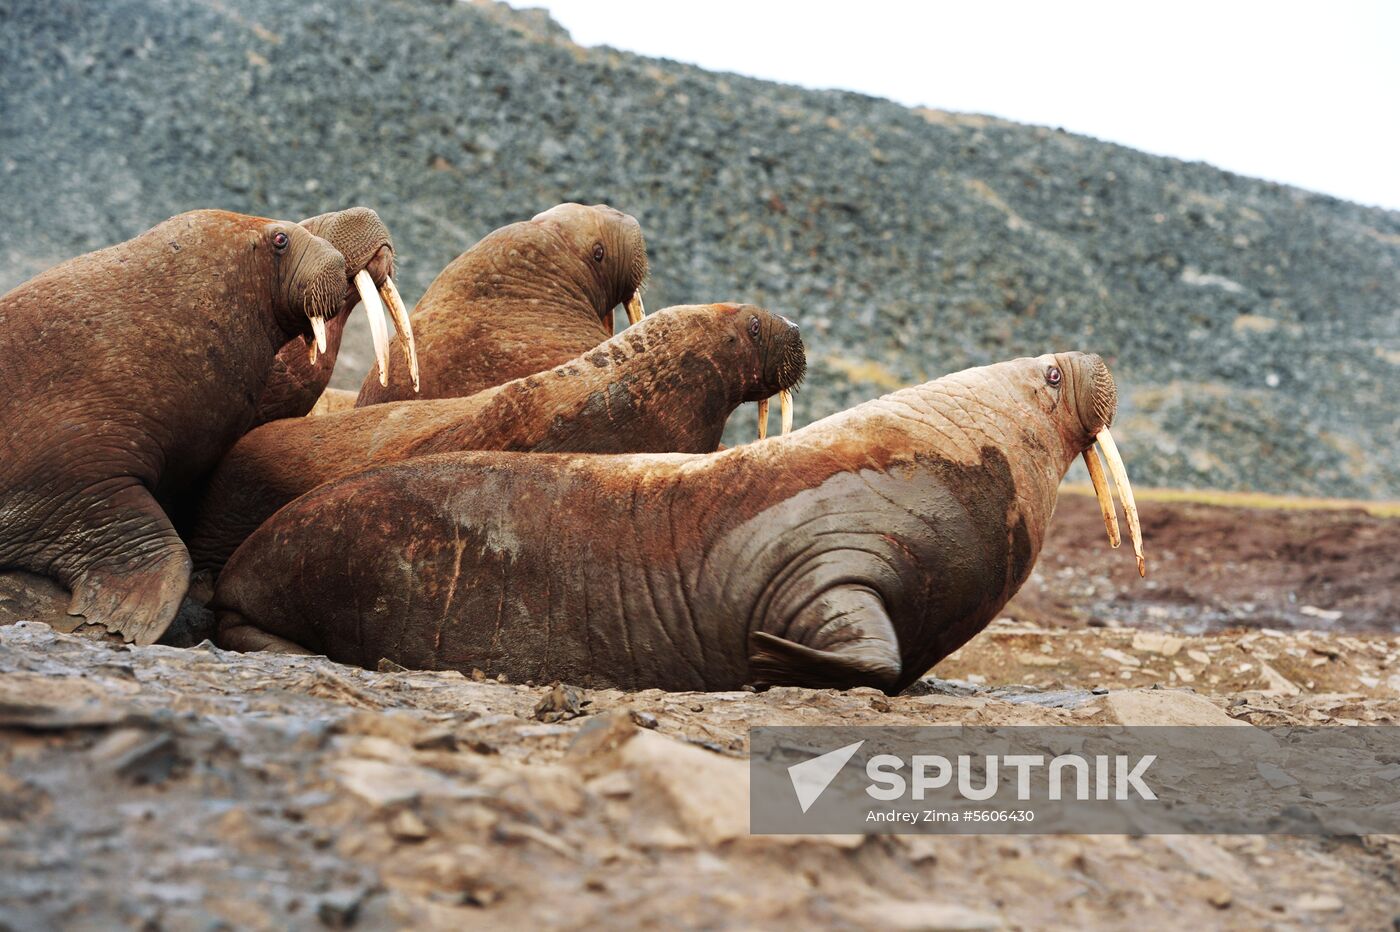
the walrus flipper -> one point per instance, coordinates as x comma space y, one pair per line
236, 634
133, 584
860, 646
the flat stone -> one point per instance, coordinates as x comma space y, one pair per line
1165, 707
926, 916
709, 793
381, 783
1156, 642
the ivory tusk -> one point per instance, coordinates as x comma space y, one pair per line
399, 312
1105, 497
1125, 495
318, 327
763, 419
785, 405
378, 328
311, 354
635, 310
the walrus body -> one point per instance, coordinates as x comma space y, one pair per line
666, 385
297, 381
127, 373
857, 551
526, 298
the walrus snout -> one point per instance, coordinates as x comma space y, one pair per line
363, 239
787, 367
1103, 392
320, 284
792, 356
360, 236
1098, 403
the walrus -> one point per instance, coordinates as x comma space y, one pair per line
302, 368
668, 384
128, 373
857, 551
524, 299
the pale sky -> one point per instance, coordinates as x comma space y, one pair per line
1303, 93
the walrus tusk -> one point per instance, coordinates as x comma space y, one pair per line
318, 327
635, 310
763, 419
311, 353
397, 310
785, 405
1105, 497
378, 329
1125, 495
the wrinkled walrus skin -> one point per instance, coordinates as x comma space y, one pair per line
526, 298
667, 384
857, 551
127, 374
296, 383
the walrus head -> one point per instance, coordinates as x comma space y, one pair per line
364, 241
779, 360
611, 245
309, 275
1082, 396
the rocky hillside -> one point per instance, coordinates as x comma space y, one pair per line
1254, 328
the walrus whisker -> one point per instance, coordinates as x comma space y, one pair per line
378, 327
635, 309
397, 310
785, 405
1125, 494
763, 419
1102, 493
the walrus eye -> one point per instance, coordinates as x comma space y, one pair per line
598, 252
1052, 375
280, 241
753, 328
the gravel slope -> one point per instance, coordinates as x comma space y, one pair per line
1254, 328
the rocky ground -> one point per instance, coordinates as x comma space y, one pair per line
1253, 327
184, 788
195, 788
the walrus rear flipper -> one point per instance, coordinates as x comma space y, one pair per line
863, 649
133, 583
777, 661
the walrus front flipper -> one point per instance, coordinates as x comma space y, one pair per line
133, 580
858, 646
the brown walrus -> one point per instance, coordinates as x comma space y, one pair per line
127, 373
528, 297
860, 550
665, 385
303, 369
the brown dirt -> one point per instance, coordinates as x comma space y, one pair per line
1211, 568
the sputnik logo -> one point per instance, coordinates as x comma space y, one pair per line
811, 777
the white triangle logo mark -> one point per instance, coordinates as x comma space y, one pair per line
811, 777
